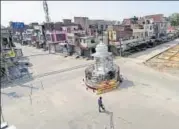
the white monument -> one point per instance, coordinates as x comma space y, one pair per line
103, 69
103, 60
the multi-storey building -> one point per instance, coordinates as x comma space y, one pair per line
147, 26
83, 22
117, 32
159, 23
144, 30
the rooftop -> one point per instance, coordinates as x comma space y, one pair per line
156, 17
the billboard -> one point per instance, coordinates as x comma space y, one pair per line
112, 35
17, 25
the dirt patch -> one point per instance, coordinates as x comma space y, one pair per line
166, 61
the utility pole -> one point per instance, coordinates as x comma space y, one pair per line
120, 43
102, 32
45, 6
108, 39
47, 19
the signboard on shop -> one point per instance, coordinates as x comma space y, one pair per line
112, 35
17, 25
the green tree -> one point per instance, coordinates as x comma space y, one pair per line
174, 19
134, 19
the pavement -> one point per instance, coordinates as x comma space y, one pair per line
147, 99
150, 52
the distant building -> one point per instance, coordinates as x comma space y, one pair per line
83, 22
67, 21
147, 26
87, 45
159, 22
120, 32
101, 24
127, 22
93, 26
144, 30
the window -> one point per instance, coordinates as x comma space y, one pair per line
146, 26
61, 29
90, 26
48, 37
41, 37
92, 41
96, 26
150, 27
83, 41
146, 34
29, 35
161, 24
148, 22
61, 37
68, 30
53, 38
101, 27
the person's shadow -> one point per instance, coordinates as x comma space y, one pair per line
111, 118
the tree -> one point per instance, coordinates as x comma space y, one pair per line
174, 19
134, 19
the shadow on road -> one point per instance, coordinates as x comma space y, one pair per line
111, 122
126, 84
12, 94
17, 82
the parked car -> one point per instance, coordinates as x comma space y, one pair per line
164, 39
158, 40
153, 39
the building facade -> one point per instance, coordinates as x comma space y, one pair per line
83, 22
159, 24
117, 32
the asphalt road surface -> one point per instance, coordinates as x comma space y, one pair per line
147, 99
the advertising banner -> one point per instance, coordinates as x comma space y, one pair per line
17, 25
112, 35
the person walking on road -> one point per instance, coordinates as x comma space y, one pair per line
100, 104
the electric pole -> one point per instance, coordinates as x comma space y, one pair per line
45, 6
47, 20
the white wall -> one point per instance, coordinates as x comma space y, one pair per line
71, 28
149, 28
141, 33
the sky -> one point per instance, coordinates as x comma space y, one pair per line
32, 11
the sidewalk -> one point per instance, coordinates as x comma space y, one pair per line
147, 54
